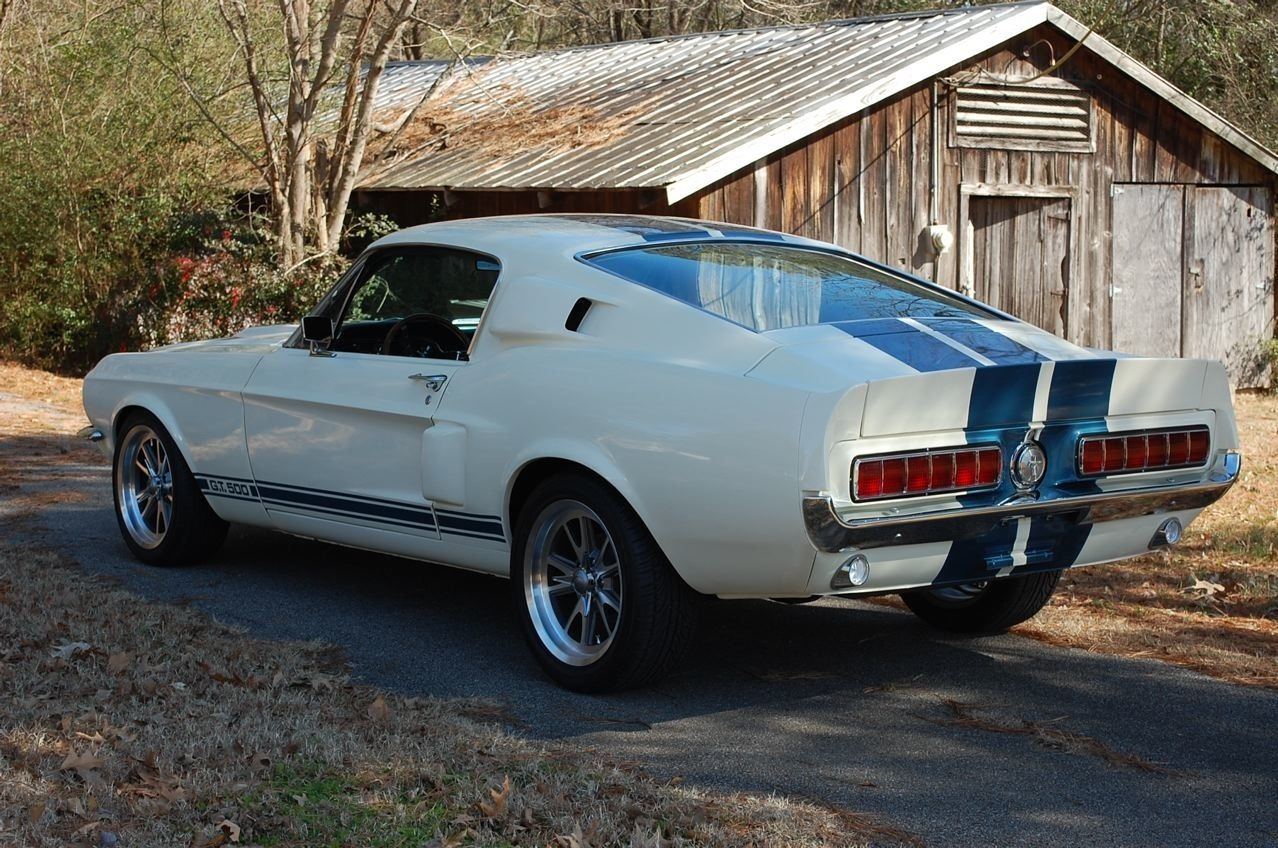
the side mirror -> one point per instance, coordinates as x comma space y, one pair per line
318, 330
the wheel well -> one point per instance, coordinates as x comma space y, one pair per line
123, 415
540, 470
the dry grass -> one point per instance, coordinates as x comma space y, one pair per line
151, 723
1211, 603
144, 724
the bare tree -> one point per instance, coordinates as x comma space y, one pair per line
315, 131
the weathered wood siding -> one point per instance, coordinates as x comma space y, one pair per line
864, 182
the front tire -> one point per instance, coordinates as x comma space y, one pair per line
161, 512
599, 604
991, 607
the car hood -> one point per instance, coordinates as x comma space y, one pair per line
251, 339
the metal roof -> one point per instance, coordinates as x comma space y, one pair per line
681, 113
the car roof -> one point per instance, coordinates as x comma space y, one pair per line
574, 233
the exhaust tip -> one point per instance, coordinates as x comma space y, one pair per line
1168, 533
851, 574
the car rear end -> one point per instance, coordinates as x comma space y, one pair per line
962, 476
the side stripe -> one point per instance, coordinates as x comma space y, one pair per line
302, 500
288, 506
403, 514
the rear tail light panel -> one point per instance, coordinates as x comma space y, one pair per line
927, 472
1138, 451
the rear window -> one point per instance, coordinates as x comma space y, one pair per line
771, 287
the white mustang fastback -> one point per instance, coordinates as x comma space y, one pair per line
623, 413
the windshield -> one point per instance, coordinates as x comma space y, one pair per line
771, 287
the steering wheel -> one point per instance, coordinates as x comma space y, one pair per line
425, 335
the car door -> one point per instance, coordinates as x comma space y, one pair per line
336, 437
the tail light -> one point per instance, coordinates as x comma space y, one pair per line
926, 472
1144, 450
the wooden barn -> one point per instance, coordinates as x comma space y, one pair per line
1005, 151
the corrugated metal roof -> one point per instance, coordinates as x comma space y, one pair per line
675, 113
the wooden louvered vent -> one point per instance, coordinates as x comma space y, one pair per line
1047, 114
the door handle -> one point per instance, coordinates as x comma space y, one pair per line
434, 382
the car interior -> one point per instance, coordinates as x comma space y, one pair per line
422, 301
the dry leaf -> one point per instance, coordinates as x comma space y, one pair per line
1208, 588
231, 829
69, 649
378, 710
497, 807
117, 663
35, 813
83, 765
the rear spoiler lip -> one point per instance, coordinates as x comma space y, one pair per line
831, 534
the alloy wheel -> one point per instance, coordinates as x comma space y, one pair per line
572, 582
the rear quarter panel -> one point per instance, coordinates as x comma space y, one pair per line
708, 460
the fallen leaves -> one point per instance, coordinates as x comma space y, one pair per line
68, 650
84, 765
496, 808
118, 663
379, 711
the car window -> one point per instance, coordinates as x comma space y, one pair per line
452, 284
444, 291
771, 287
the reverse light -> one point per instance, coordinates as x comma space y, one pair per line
927, 472
1143, 450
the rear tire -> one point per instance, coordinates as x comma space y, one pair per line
600, 606
159, 508
992, 608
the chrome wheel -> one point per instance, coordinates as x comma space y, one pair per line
572, 582
960, 595
144, 487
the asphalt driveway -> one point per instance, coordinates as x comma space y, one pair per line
840, 702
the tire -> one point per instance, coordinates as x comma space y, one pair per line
641, 614
162, 514
990, 608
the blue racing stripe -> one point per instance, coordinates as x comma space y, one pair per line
969, 559
1081, 388
1002, 395
917, 349
990, 343
406, 513
1054, 542
322, 512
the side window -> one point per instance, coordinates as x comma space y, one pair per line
421, 301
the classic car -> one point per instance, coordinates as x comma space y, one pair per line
625, 413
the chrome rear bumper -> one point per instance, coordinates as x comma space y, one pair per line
830, 533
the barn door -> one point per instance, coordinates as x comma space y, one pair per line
1229, 278
1019, 259
1194, 274
1148, 237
